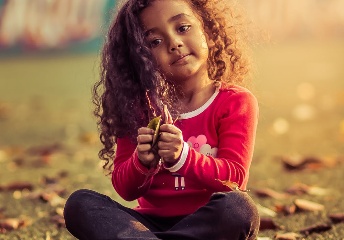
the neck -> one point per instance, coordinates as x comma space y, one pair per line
195, 95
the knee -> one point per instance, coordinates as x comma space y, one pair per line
238, 209
77, 201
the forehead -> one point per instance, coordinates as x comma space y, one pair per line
162, 11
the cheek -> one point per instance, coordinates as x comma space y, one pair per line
157, 57
161, 59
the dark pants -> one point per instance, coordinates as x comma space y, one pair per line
91, 215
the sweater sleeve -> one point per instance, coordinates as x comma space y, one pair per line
129, 177
237, 124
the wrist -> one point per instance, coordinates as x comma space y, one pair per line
176, 165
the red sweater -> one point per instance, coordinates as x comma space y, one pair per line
219, 141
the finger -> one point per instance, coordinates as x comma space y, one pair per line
147, 158
145, 130
171, 138
170, 128
144, 147
141, 139
167, 155
163, 145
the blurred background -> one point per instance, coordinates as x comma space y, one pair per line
49, 58
49, 61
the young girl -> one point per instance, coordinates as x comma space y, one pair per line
180, 60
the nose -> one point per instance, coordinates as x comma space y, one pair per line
175, 44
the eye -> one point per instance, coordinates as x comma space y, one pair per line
155, 42
184, 28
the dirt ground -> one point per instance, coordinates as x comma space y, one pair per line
49, 144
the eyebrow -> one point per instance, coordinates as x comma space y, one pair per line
174, 18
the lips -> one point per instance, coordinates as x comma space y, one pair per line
179, 58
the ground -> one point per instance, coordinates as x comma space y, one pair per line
49, 138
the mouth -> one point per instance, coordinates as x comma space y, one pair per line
180, 58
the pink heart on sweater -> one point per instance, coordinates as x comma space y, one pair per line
198, 142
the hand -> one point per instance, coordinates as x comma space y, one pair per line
147, 156
170, 143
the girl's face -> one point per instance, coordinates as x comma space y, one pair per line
176, 37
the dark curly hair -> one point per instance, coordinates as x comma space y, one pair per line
131, 90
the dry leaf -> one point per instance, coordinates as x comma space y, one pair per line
263, 211
300, 188
317, 191
288, 236
155, 125
13, 186
286, 209
298, 162
232, 185
267, 192
53, 199
336, 217
267, 223
58, 220
306, 205
167, 118
12, 224
316, 228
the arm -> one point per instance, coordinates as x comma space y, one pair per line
236, 135
130, 178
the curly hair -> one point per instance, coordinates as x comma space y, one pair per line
132, 90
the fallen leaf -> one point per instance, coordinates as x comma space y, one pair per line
265, 212
317, 228
317, 191
59, 211
49, 180
43, 154
232, 185
13, 186
13, 223
298, 162
44, 149
306, 205
301, 188
267, 192
336, 217
58, 220
138, 226
267, 224
53, 199
288, 236
286, 209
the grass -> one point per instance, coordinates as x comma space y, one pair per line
47, 100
